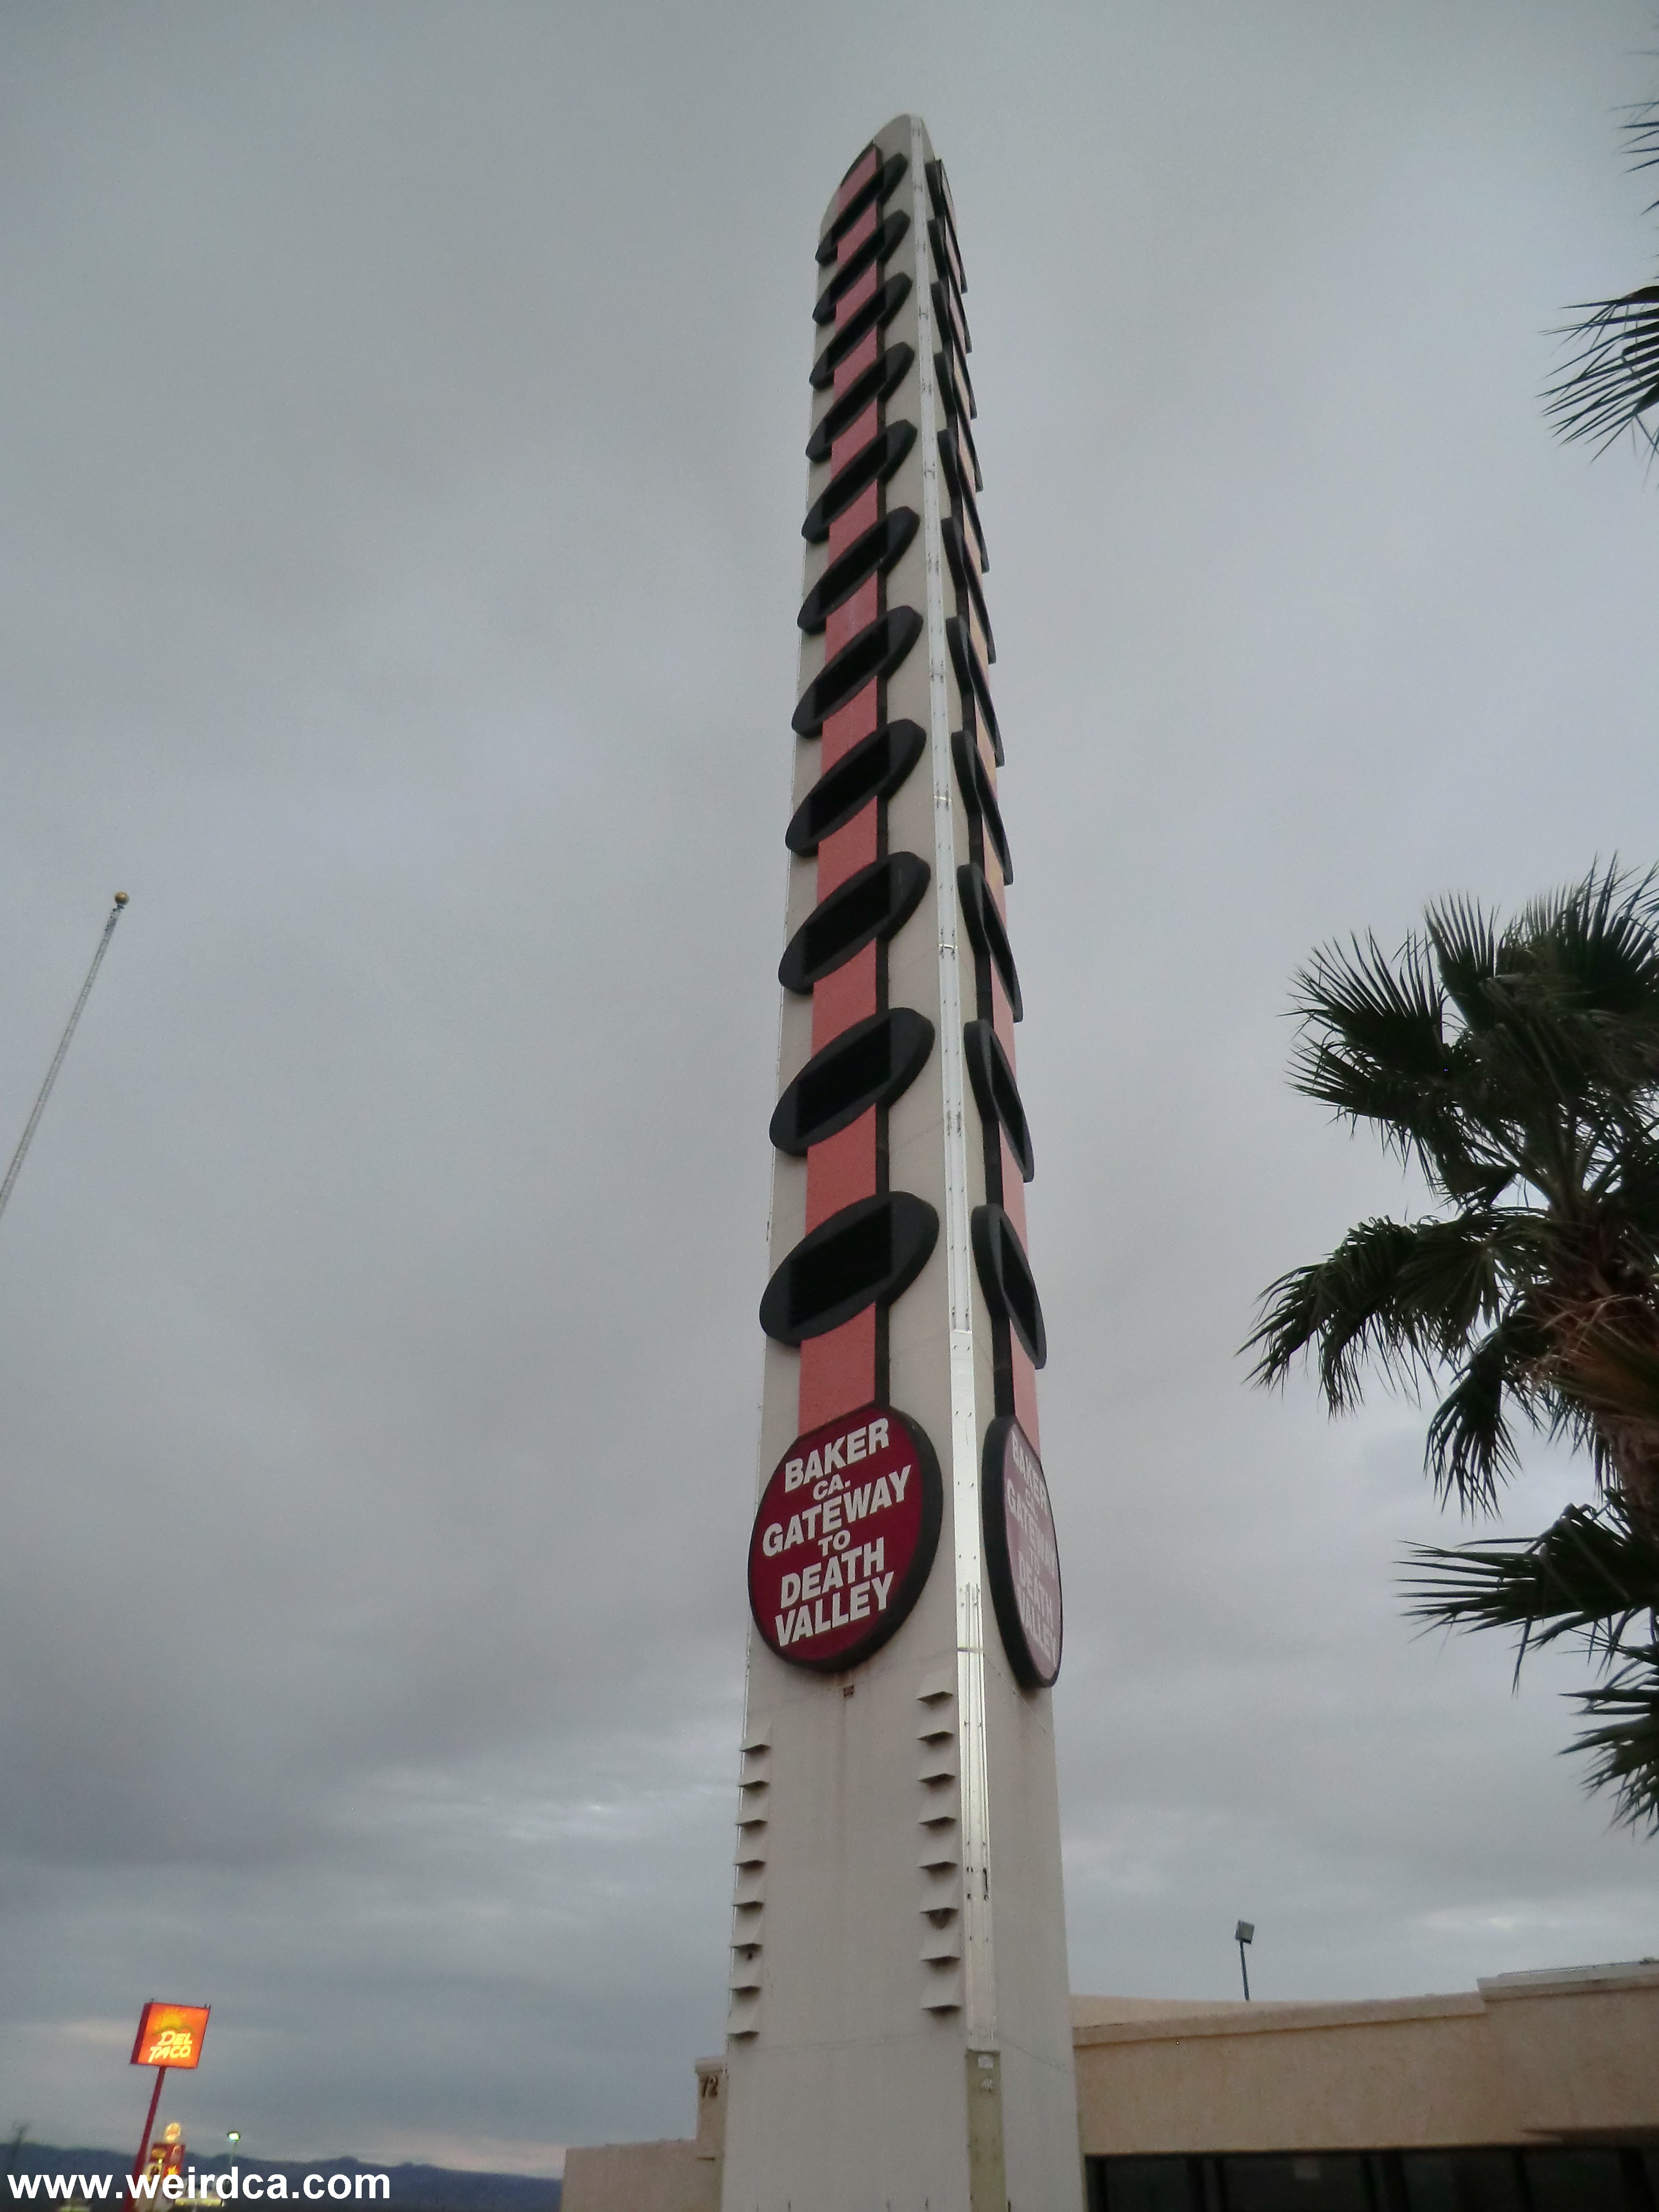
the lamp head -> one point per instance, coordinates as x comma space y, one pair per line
1245, 1932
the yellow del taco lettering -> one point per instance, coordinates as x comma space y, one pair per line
170, 2035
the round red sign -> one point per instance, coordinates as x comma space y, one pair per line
1022, 1556
844, 1538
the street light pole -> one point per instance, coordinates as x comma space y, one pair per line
1243, 1934
32, 1123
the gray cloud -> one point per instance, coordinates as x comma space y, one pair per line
399, 559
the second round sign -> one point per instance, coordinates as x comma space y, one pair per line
1022, 1557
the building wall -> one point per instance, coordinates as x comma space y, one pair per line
649, 2177
672, 2176
1580, 2051
1294, 2078
1567, 2058
1525, 2057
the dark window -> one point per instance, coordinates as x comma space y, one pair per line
954, 381
1142, 2185
882, 181
995, 1092
869, 1254
875, 651
980, 794
873, 553
872, 463
939, 191
874, 768
1501, 2178
877, 248
990, 938
869, 1064
1326, 2181
1462, 2180
871, 904
944, 383
972, 450
962, 497
966, 575
971, 680
943, 241
947, 308
1575, 2181
875, 314
848, 1078
1005, 1275
854, 919
847, 1265
879, 381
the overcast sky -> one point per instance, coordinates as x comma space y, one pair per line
400, 547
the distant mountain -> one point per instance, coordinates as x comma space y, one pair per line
414, 2188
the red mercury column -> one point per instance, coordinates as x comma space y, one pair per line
838, 1370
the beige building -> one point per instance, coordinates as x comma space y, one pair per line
1531, 2092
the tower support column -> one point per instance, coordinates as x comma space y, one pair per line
898, 2029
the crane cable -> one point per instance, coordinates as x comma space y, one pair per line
63, 1046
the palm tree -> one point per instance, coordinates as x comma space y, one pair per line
1593, 1576
1516, 1067
1610, 384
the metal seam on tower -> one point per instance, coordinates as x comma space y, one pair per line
979, 1965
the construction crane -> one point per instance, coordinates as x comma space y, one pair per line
32, 1123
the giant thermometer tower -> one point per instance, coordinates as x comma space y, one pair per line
898, 2028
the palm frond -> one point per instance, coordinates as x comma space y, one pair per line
1590, 1574
1390, 1014
1612, 381
1470, 1181
1398, 1296
1373, 1048
1470, 1444
1409, 1117
1642, 131
1456, 1275
1465, 943
1595, 940
1625, 1747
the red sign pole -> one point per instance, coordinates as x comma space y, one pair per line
149, 2123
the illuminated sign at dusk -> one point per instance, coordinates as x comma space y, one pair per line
170, 2035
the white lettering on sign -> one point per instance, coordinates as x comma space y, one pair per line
824, 1575
811, 1620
